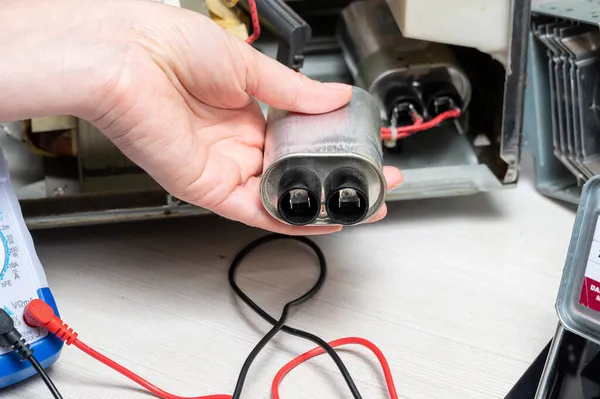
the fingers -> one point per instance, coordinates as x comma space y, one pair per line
380, 215
274, 84
393, 177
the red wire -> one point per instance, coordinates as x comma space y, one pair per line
419, 126
255, 22
39, 314
340, 342
136, 378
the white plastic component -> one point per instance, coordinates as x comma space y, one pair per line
480, 24
21, 273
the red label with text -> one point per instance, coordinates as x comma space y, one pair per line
590, 291
590, 294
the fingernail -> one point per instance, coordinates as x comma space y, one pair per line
338, 86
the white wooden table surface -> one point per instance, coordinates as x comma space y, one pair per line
459, 293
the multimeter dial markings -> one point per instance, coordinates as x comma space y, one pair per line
6, 241
17, 285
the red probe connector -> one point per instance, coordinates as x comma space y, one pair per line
39, 314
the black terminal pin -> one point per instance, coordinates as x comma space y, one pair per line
346, 191
441, 97
299, 196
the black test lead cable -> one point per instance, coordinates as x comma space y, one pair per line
12, 338
279, 325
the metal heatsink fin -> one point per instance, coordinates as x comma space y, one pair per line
573, 52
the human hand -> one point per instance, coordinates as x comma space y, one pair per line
174, 92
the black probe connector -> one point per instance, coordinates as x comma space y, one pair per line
11, 337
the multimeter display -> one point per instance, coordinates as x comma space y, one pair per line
22, 279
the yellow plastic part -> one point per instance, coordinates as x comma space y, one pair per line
229, 19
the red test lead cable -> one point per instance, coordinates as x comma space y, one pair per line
339, 342
39, 314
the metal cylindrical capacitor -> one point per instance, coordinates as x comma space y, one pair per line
395, 69
341, 148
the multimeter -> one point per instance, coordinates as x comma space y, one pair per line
22, 279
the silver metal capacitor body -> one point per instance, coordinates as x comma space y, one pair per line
324, 169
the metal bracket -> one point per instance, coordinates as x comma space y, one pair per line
583, 11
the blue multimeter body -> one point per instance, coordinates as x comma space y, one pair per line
22, 279
46, 350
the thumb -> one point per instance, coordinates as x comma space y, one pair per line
279, 86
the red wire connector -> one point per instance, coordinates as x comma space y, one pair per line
39, 314
419, 125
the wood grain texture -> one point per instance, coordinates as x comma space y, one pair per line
459, 293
